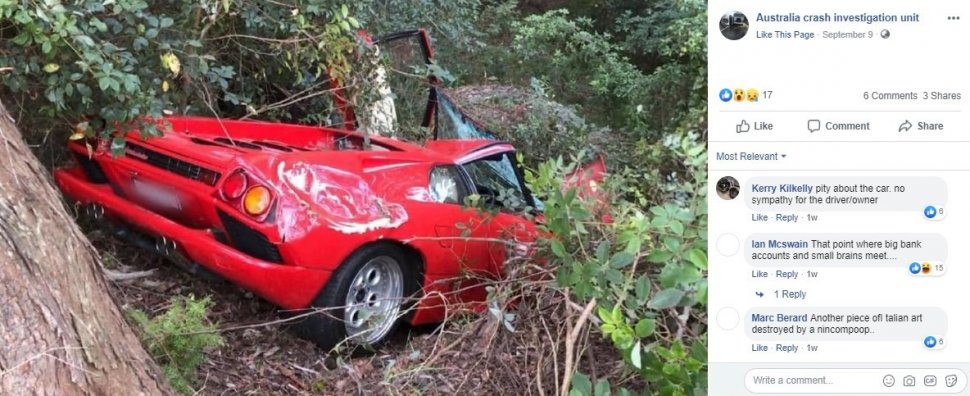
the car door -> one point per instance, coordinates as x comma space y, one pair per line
462, 231
507, 203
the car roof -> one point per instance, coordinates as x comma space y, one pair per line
464, 150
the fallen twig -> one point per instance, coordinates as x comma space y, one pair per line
571, 345
126, 276
682, 322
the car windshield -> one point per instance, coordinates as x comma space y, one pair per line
452, 123
497, 181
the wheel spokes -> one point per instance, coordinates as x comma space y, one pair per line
373, 300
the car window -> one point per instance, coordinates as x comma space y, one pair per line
446, 186
497, 181
453, 124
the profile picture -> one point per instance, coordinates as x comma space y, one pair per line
728, 188
734, 25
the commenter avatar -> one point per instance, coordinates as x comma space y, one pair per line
734, 25
728, 188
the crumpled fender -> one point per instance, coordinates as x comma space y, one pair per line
311, 195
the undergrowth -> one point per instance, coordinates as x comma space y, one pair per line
178, 338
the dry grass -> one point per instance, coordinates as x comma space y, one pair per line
471, 353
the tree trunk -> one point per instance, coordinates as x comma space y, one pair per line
60, 331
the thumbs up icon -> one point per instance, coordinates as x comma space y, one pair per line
742, 127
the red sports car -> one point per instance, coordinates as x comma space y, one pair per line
366, 230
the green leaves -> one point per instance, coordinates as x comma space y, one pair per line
677, 227
622, 259
602, 388
107, 83
581, 385
636, 356
558, 249
618, 263
666, 298
178, 337
645, 327
698, 257
124, 60
615, 326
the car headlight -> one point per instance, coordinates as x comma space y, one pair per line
444, 186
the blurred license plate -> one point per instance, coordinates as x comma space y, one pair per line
157, 195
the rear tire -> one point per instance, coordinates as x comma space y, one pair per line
364, 300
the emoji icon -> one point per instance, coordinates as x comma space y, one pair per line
739, 95
926, 268
929, 212
929, 342
889, 381
752, 95
915, 268
725, 95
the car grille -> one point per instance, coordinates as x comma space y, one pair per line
171, 164
91, 169
249, 241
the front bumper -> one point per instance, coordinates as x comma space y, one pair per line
289, 287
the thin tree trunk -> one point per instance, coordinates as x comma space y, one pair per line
60, 331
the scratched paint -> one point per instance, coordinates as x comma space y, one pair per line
419, 194
316, 194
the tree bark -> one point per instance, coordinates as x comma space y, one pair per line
60, 331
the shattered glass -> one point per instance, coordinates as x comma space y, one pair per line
452, 124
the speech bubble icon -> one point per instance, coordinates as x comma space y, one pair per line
814, 125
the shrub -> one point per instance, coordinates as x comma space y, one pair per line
121, 61
645, 269
177, 338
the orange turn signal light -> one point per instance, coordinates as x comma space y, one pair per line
257, 200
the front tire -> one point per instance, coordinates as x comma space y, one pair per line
363, 301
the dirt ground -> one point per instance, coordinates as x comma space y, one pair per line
472, 355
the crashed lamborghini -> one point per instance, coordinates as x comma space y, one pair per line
353, 234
